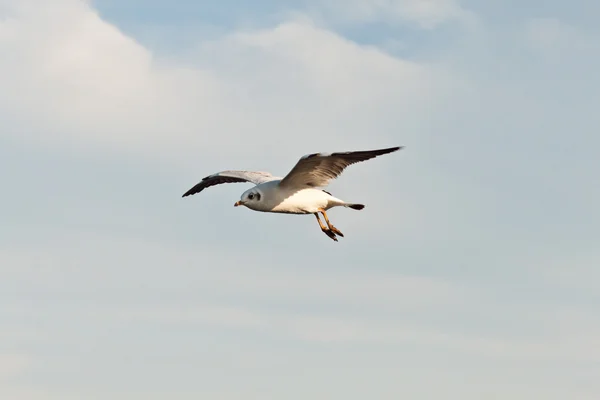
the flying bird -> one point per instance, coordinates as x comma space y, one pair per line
299, 192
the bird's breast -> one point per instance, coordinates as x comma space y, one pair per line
301, 202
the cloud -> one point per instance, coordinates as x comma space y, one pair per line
74, 78
461, 258
576, 271
13, 365
295, 83
74, 82
295, 302
552, 36
565, 342
45, 265
425, 14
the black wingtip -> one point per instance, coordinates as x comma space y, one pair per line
381, 152
190, 192
389, 150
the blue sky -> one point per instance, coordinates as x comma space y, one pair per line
472, 272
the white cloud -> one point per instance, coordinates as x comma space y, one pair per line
72, 80
44, 266
569, 339
70, 77
13, 365
75, 82
222, 291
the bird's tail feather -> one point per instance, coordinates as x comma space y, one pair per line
355, 206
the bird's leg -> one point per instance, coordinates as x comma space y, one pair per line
326, 230
330, 225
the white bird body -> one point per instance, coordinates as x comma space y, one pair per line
299, 191
291, 201
308, 201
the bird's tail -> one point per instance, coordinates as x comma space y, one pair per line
355, 206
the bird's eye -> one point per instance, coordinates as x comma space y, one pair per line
251, 196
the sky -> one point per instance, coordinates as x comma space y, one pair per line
473, 271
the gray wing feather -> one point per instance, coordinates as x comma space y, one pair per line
256, 177
318, 169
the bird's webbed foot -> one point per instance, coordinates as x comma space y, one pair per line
329, 232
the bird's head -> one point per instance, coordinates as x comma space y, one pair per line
250, 198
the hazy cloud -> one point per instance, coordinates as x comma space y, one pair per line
475, 256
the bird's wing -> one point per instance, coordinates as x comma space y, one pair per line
255, 177
318, 169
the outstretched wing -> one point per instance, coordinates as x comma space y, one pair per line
318, 169
255, 177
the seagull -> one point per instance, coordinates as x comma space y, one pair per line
300, 191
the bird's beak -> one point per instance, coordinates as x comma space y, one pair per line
238, 203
